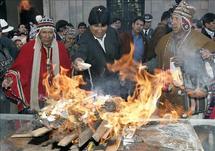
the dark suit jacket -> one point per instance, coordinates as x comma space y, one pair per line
91, 51
205, 33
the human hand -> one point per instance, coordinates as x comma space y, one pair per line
178, 84
197, 93
178, 62
80, 65
7, 82
205, 53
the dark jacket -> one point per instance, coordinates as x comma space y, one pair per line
9, 44
159, 32
206, 34
91, 52
6, 61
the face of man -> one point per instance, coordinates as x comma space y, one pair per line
98, 30
69, 40
147, 25
82, 29
22, 29
137, 26
19, 44
63, 30
211, 26
117, 24
176, 24
46, 36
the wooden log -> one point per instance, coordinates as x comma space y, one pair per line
105, 136
74, 148
114, 145
26, 135
40, 131
85, 136
100, 131
67, 139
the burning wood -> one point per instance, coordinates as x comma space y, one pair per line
75, 107
21, 135
101, 131
40, 131
85, 136
74, 148
67, 139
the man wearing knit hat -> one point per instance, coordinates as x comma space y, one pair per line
180, 50
23, 82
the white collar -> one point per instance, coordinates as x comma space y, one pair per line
101, 41
211, 33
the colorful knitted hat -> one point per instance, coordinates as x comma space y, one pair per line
184, 10
45, 22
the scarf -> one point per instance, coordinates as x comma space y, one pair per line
34, 104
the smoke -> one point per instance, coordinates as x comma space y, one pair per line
195, 74
114, 87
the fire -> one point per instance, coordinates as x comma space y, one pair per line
61, 86
141, 105
84, 107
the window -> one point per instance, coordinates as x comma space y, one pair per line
126, 10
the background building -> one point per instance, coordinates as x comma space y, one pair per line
76, 11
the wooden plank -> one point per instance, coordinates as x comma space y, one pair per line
26, 135
100, 131
67, 139
74, 148
85, 136
40, 131
113, 146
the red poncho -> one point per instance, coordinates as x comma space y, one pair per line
21, 71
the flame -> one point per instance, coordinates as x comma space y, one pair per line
62, 86
131, 113
141, 105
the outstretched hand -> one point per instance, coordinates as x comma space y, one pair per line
7, 82
197, 93
205, 53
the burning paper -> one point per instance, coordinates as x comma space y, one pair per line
80, 107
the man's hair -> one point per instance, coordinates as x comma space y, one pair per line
61, 24
20, 25
138, 18
165, 15
82, 24
115, 19
99, 14
208, 17
70, 25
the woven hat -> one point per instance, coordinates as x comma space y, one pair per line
5, 27
184, 10
45, 22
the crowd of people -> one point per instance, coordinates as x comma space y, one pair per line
176, 43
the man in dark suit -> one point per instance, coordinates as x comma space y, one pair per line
209, 25
62, 29
147, 30
99, 45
